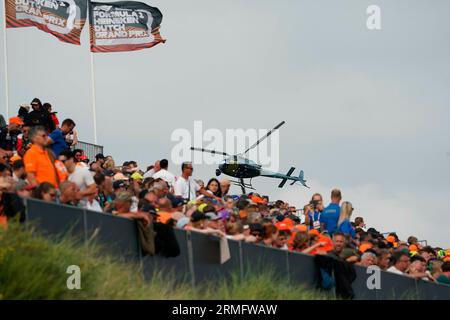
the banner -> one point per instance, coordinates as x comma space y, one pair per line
63, 19
124, 26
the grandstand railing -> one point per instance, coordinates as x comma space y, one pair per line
200, 254
90, 149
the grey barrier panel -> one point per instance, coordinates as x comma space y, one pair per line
302, 269
432, 291
117, 235
206, 258
396, 287
176, 267
257, 258
90, 150
360, 288
53, 219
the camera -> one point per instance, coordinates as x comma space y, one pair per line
314, 204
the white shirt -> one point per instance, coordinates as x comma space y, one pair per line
166, 176
94, 206
149, 173
82, 177
182, 187
393, 269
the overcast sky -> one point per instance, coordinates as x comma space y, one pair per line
365, 111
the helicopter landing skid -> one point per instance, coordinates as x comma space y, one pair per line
243, 185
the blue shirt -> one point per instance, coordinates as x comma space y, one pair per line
330, 217
314, 217
346, 228
59, 143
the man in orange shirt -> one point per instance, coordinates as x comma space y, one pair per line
38, 161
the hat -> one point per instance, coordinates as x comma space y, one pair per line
212, 216
137, 176
119, 184
413, 248
197, 216
282, 226
365, 246
147, 207
99, 156
16, 120
313, 232
182, 222
390, 239
123, 196
177, 201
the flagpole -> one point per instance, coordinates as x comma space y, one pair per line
5, 53
94, 113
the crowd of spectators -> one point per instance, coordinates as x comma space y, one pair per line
38, 159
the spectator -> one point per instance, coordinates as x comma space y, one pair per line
4, 171
313, 212
418, 269
23, 189
359, 223
38, 161
45, 191
100, 160
57, 141
80, 176
344, 225
151, 170
39, 116
9, 134
92, 203
187, 187
164, 174
368, 259
23, 140
225, 187
330, 215
400, 261
105, 190
122, 206
68, 194
18, 173
48, 107
384, 257
444, 278
72, 138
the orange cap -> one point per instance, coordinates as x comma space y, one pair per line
390, 239
16, 120
282, 226
413, 248
365, 246
313, 232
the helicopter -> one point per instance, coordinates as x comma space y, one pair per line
237, 166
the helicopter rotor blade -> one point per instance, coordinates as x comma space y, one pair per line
210, 151
265, 137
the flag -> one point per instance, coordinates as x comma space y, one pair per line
63, 19
123, 26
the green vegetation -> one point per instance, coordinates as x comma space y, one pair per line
34, 267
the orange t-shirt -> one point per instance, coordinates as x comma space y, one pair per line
164, 217
61, 170
38, 161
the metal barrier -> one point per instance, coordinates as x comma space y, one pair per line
200, 254
90, 150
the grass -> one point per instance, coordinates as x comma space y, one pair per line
34, 267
